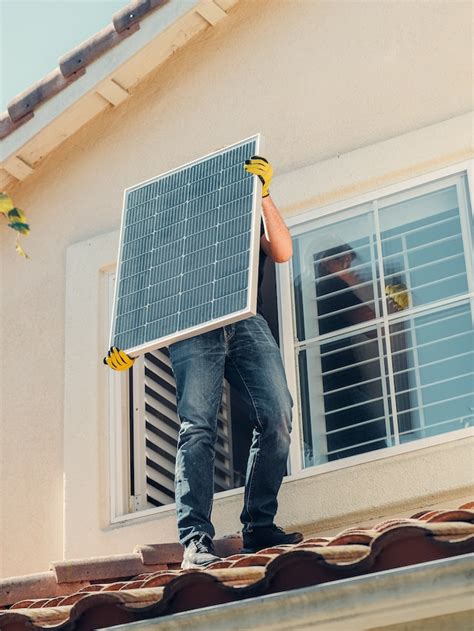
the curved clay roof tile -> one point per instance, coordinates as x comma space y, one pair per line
133, 12
48, 86
93, 48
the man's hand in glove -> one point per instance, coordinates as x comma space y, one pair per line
398, 294
118, 360
261, 167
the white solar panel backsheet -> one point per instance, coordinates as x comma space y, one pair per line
189, 244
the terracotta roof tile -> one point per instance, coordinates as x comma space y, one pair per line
156, 553
99, 568
246, 560
354, 552
133, 13
463, 513
162, 579
390, 523
39, 585
66, 600
92, 588
41, 616
236, 576
7, 126
173, 552
353, 536
452, 515
73, 64
25, 102
340, 554
79, 58
24, 604
320, 541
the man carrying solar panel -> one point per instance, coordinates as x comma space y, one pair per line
246, 353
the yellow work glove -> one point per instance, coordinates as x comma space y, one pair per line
399, 295
261, 167
118, 360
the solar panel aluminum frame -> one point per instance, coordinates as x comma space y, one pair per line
251, 306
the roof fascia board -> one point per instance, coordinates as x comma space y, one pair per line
98, 71
417, 592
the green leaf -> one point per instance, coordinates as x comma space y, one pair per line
6, 203
17, 215
20, 250
17, 220
22, 228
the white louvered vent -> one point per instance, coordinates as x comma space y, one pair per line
154, 434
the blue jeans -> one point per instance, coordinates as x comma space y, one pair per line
246, 354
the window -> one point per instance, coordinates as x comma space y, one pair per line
383, 317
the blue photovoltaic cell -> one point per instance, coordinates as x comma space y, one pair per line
185, 249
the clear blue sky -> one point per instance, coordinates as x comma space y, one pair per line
35, 33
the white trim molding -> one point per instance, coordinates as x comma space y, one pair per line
350, 176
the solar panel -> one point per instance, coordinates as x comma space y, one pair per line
188, 253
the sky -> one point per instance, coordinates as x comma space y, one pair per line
34, 34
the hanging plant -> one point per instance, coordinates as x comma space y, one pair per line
16, 220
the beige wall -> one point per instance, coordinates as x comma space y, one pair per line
319, 80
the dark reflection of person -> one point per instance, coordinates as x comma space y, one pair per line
350, 366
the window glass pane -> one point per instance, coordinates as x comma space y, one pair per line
344, 397
422, 246
333, 272
433, 362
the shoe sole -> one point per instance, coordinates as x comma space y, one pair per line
196, 566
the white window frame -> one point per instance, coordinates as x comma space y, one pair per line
286, 312
117, 387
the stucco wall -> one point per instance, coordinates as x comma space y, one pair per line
318, 79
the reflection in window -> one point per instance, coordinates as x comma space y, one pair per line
422, 240
344, 295
353, 397
361, 390
350, 368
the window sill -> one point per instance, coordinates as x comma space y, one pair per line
428, 449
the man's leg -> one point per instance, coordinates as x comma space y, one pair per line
255, 368
198, 366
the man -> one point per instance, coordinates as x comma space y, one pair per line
246, 354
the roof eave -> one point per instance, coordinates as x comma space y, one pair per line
103, 83
426, 590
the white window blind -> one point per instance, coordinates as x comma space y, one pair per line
154, 427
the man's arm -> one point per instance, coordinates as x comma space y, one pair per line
276, 242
